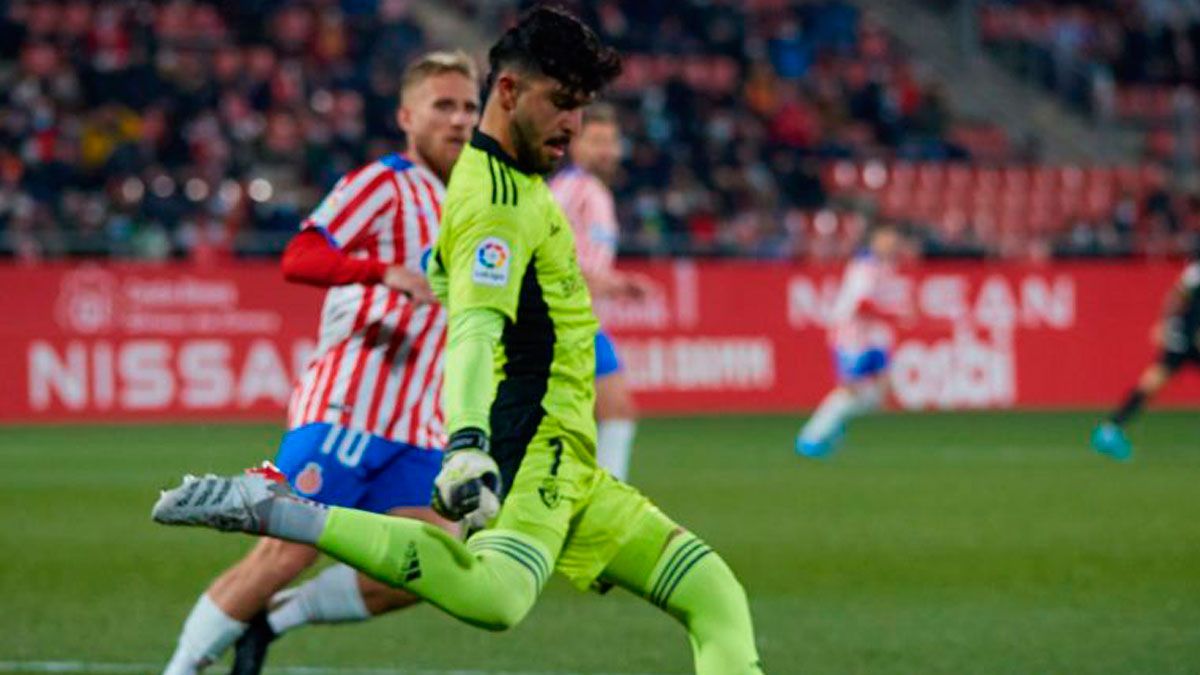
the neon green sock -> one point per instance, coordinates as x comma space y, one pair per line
492, 584
692, 583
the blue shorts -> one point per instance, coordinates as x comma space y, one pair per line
342, 467
858, 365
607, 362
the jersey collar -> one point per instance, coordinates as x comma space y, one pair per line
486, 143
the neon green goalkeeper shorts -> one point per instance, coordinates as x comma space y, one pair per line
580, 513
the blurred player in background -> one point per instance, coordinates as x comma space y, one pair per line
1178, 335
365, 423
582, 189
861, 335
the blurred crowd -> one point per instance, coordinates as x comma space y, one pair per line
1135, 62
153, 129
196, 128
1132, 41
731, 108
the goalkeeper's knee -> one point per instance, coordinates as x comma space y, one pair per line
695, 585
709, 596
491, 584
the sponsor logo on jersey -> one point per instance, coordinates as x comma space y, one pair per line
310, 480
492, 258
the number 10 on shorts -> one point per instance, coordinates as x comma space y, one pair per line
347, 445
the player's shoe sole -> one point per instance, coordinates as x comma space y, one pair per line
227, 503
1108, 439
819, 449
250, 651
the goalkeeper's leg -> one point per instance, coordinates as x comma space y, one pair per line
677, 572
492, 582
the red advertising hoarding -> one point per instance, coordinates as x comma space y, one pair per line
134, 342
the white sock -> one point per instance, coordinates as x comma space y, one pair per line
867, 399
332, 596
207, 633
834, 410
614, 445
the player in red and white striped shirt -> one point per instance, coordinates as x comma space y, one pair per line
583, 193
380, 342
365, 421
869, 303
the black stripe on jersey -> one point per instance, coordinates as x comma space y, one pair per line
528, 345
499, 164
503, 181
492, 171
491, 146
513, 182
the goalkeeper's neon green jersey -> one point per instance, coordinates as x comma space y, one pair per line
505, 245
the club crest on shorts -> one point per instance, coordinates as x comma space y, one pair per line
492, 262
548, 491
310, 480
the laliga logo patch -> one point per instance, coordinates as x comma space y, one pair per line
493, 254
492, 258
309, 481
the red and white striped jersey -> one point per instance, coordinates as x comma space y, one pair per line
378, 362
869, 289
589, 207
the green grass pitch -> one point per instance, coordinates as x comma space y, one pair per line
942, 543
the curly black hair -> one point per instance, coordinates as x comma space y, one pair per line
553, 42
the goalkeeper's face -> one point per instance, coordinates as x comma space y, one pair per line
545, 116
437, 116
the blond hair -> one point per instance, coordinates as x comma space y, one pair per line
600, 113
438, 63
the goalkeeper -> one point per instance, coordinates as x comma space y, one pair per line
519, 396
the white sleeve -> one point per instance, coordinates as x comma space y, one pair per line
354, 204
1191, 277
856, 287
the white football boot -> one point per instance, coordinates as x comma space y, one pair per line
228, 503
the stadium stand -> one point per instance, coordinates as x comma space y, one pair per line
767, 128
1132, 61
147, 129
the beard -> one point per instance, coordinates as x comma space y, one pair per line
529, 148
435, 153
606, 172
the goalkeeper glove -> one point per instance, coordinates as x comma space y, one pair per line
468, 486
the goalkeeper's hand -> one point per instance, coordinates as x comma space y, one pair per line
468, 486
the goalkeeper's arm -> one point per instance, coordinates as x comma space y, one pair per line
458, 488
470, 343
